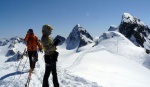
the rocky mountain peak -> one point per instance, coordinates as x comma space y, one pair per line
78, 37
135, 30
128, 18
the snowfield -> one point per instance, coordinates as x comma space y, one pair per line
113, 62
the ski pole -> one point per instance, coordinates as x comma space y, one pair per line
21, 58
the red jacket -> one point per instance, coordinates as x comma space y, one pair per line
32, 42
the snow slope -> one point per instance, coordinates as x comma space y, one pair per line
111, 70
113, 62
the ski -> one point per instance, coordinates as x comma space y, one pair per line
29, 77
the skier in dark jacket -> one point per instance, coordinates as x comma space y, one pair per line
50, 56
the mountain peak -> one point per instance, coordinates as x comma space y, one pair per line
78, 25
78, 37
78, 28
128, 18
135, 30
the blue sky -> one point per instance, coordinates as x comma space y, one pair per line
96, 16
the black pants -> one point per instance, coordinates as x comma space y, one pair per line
32, 54
50, 67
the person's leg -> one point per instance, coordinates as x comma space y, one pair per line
48, 69
30, 58
54, 73
46, 76
35, 58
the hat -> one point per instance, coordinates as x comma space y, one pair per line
46, 26
30, 31
46, 29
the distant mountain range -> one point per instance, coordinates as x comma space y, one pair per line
131, 27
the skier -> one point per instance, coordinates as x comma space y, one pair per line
32, 43
50, 56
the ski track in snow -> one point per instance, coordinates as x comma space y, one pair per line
80, 57
18, 77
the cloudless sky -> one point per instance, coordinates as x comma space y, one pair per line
96, 16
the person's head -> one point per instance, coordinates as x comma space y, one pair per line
46, 29
30, 31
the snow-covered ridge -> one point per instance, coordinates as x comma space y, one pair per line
11, 47
3, 42
12, 40
117, 43
110, 34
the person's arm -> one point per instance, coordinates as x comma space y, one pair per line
39, 46
47, 44
26, 38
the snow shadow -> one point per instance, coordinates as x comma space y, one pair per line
12, 74
75, 81
10, 53
13, 58
66, 79
146, 63
16, 57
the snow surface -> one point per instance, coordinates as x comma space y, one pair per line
113, 62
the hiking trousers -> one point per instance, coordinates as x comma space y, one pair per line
50, 66
32, 54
